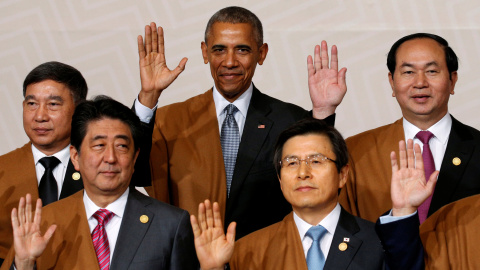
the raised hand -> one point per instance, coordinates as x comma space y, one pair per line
409, 188
28, 243
214, 248
326, 84
155, 76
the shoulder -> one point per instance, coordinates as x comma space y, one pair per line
465, 130
198, 100
15, 155
167, 211
276, 104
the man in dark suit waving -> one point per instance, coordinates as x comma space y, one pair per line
219, 145
108, 225
51, 91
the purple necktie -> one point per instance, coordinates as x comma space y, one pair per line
429, 167
100, 240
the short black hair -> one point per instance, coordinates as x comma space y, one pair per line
311, 126
102, 107
61, 73
235, 15
450, 57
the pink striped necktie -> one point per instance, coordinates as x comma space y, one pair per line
100, 240
429, 168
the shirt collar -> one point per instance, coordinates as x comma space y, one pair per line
241, 102
441, 129
117, 207
329, 222
62, 155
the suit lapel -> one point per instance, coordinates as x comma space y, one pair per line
460, 145
347, 227
256, 129
132, 231
70, 185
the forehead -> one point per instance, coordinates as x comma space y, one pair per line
48, 88
305, 145
231, 33
109, 128
420, 49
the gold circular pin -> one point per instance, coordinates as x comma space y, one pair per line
456, 161
144, 219
342, 246
76, 176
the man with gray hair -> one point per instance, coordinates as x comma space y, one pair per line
219, 145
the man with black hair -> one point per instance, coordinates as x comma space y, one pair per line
422, 74
42, 167
108, 225
219, 145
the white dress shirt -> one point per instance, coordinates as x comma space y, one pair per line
145, 114
113, 226
438, 143
59, 171
329, 223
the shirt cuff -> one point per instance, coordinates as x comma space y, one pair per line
389, 218
143, 112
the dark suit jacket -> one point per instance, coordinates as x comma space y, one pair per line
17, 178
186, 161
279, 247
165, 241
367, 191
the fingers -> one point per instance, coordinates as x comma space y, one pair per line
161, 44
402, 153
141, 47
196, 229
38, 212
410, 154
310, 68
21, 211
324, 54
209, 214
28, 209
418, 157
393, 161
15, 220
153, 28
181, 67
334, 62
49, 233
318, 59
342, 75
231, 232
432, 181
148, 39
201, 216
217, 218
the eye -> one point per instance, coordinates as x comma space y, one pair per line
290, 162
408, 72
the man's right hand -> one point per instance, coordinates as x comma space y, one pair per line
155, 76
214, 248
28, 243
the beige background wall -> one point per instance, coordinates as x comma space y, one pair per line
99, 38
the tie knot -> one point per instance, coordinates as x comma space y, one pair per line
316, 232
231, 109
103, 216
49, 162
424, 136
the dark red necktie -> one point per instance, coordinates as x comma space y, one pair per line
100, 240
429, 167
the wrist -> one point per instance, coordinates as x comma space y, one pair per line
148, 99
404, 211
323, 112
24, 264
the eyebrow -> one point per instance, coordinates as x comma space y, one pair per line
51, 97
406, 64
120, 136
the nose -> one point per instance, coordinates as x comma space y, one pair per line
230, 59
421, 80
41, 113
304, 171
109, 155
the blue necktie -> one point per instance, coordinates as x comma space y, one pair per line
230, 140
315, 258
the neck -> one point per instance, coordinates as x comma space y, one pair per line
49, 151
313, 216
103, 200
424, 122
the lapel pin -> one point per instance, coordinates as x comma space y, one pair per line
456, 161
343, 246
144, 218
76, 176
346, 239
261, 126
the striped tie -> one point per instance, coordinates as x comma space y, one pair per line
100, 240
